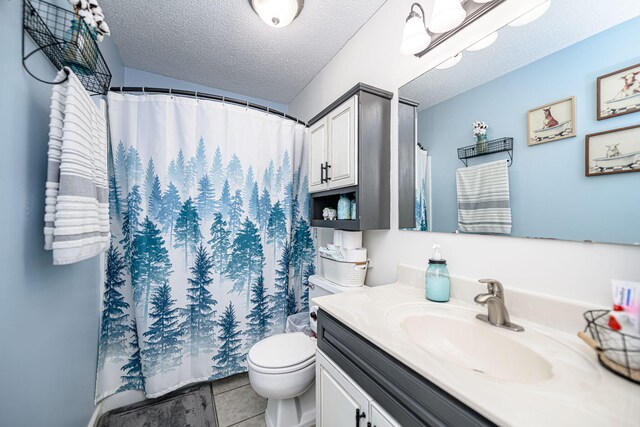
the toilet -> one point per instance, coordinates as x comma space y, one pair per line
282, 369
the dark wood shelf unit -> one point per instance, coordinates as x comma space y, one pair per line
373, 192
340, 224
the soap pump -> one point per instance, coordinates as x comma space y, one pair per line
437, 278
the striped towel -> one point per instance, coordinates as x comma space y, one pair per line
483, 198
76, 196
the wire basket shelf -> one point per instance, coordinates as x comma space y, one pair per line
618, 352
485, 148
67, 41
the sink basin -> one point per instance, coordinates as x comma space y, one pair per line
455, 336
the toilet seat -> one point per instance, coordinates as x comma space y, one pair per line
282, 353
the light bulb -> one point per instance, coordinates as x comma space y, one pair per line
415, 38
484, 42
446, 15
532, 15
277, 13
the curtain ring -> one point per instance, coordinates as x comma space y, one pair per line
121, 89
144, 91
171, 93
196, 96
247, 106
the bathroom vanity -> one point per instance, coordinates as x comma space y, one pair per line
388, 357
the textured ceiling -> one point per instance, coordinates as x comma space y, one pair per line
224, 44
565, 23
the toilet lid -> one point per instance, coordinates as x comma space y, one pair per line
283, 350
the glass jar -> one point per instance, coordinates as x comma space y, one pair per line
344, 207
438, 285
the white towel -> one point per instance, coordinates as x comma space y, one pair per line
76, 196
483, 198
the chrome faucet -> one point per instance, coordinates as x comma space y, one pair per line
494, 300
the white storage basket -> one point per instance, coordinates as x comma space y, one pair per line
344, 273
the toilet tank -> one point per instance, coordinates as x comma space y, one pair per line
319, 286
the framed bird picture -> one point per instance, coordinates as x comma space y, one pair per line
552, 122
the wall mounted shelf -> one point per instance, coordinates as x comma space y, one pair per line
66, 41
489, 147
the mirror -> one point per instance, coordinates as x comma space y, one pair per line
559, 142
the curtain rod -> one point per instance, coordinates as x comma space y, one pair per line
205, 95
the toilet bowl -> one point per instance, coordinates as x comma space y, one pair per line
282, 370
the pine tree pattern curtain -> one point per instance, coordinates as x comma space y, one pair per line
211, 245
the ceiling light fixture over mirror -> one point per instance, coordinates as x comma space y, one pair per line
414, 36
277, 13
447, 15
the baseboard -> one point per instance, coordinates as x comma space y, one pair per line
97, 413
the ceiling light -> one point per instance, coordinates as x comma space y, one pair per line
483, 43
450, 62
532, 15
415, 38
277, 13
447, 15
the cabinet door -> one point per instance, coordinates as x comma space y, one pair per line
343, 144
339, 400
318, 135
380, 418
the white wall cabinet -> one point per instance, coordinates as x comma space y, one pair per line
333, 157
340, 402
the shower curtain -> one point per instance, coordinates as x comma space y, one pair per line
211, 245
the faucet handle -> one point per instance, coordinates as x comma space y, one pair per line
494, 287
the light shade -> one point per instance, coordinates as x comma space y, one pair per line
450, 62
447, 15
532, 15
415, 38
483, 43
277, 13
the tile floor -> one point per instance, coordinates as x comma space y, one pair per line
237, 404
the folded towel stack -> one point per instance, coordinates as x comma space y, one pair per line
483, 198
76, 199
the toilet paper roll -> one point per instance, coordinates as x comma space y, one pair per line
355, 255
337, 237
314, 319
351, 239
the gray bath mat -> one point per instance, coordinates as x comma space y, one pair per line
188, 407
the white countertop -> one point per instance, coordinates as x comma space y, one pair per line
580, 391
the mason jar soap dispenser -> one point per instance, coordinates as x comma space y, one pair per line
437, 278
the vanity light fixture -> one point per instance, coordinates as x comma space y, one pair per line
484, 43
532, 15
277, 13
482, 1
414, 36
447, 15
450, 62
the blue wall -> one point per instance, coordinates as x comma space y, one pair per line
48, 314
550, 195
135, 77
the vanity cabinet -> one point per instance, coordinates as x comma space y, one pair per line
333, 160
341, 402
355, 375
350, 154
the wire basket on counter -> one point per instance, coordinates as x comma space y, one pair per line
618, 352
